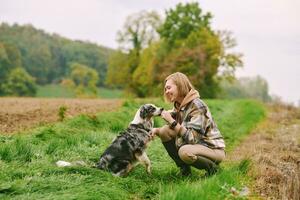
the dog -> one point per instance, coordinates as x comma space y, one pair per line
128, 149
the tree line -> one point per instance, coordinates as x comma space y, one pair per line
150, 48
30, 56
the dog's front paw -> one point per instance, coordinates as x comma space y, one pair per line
148, 169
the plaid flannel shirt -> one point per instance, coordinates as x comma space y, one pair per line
201, 128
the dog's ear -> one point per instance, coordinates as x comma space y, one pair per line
143, 112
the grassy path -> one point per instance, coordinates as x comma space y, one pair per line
274, 150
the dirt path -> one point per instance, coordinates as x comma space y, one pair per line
21, 113
274, 148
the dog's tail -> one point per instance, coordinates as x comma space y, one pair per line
62, 163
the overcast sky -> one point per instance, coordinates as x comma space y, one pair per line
267, 31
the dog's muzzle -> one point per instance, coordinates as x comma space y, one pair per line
161, 109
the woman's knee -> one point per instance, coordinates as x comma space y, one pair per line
186, 155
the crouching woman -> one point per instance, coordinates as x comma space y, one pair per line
191, 137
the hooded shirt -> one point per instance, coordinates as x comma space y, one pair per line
195, 116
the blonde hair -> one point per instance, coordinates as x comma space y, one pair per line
182, 82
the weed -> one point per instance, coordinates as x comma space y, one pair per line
62, 113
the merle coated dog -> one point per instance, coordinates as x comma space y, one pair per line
128, 149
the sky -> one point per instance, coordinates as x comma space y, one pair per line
267, 31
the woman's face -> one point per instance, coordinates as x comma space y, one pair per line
171, 90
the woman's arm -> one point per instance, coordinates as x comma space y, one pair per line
170, 120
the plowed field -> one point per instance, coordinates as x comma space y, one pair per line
21, 113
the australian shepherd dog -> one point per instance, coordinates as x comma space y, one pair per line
128, 149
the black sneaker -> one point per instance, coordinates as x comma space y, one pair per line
212, 171
185, 170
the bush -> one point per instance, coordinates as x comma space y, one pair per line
19, 83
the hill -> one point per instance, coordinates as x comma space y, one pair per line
47, 56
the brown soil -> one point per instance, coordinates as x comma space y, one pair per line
21, 113
274, 148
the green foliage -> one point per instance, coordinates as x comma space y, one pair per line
139, 31
62, 113
228, 60
9, 59
143, 76
46, 57
187, 44
118, 72
19, 83
13, 55
28, 170
84, 80
246, 87
236, 118
88, 54
4, 66
195, 49
182, 21
198, 57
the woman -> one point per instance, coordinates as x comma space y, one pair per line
191, 137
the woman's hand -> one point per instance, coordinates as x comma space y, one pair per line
167, 116
154, 132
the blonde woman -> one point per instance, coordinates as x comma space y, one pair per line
191, 137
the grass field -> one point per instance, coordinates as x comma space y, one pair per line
28, 170
55, 91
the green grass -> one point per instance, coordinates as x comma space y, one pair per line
215, 187
54, 91
28, 170
58, 91
235, 118
110, 93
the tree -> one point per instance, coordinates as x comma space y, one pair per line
41, 61
47, 57
139, 31
192, 47
182, 21
19, 83
229, 61
84, 79
246, 87
143, 76
87, 54
4, 64
118, 73
10, 58
187, 44
197, 57
13, 55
